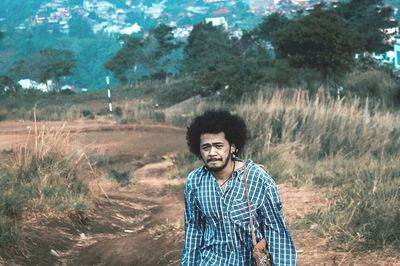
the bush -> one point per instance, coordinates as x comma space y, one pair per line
366, 209
376, 84
87, 114
41, 180
123, 178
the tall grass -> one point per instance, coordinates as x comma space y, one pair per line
339, 144
345, 145
44, 175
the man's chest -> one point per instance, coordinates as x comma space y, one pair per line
218, 205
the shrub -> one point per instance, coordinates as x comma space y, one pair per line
87, 114
123, 178
377, 84
42, 178
366, 209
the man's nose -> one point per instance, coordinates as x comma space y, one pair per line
212, 151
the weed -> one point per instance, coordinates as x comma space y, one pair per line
87, 114
123, 178
44, 177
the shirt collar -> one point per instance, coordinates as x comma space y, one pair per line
237, 172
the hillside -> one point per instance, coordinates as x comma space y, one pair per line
90, 29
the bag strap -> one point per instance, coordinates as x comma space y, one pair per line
253, 234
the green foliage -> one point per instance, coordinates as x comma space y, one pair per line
320, 41
7, 85
90, 51
87, 114
376, 84
144, 56
47, 64
222, 65
123, 178
270, 25
165, 44
368, 17
45, 182
207, 49
126, 58
366, 208
118, 112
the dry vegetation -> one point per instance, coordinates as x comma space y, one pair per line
346, 147
46, 175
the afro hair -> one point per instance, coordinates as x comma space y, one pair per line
215, 122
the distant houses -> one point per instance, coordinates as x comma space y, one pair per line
27, 84
219, 21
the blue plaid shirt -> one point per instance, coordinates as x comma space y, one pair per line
217, 227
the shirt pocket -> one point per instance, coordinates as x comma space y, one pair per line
239, 211
239, 215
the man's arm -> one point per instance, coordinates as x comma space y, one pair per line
280, 243
193, 229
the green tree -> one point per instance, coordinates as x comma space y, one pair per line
150, 55
7, 85
164, 44
368, 17
47, 64
129, 56
207, 48
270, 25
224, 65
320, 41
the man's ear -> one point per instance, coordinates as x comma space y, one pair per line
233, 149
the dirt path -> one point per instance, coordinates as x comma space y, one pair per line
142, 224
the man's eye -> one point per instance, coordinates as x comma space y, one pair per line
219, 146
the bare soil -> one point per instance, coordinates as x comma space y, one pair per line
142, 223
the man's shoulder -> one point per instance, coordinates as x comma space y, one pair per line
195, 175
260, 173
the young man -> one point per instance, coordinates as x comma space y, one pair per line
217, 227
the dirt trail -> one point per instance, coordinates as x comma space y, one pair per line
142, 223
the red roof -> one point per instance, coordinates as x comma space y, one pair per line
221, 11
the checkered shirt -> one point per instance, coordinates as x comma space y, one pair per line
217, 227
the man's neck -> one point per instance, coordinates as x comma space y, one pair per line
224, 173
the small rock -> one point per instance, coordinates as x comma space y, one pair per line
82, 236
54, 253
313, 226
128, 231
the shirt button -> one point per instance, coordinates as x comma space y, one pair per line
229, 234
226, 217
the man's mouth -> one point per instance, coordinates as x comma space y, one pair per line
213, 160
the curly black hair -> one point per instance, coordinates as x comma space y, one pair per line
216, 121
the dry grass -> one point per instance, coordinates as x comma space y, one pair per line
344, 145
46, 174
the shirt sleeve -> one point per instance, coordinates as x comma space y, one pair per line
193, 229
280, 243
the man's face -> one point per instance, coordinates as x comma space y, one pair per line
215, 151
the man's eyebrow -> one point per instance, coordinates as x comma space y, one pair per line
212, 143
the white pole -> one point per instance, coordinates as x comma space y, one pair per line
109, 94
